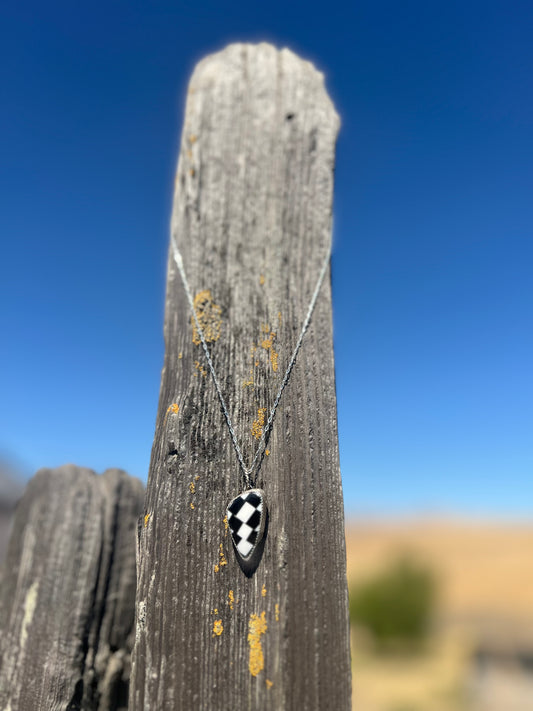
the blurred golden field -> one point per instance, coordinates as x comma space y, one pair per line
479, 654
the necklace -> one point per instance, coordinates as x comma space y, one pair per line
247, 513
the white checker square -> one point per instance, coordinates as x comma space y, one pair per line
244, 547
245, 512
245, 530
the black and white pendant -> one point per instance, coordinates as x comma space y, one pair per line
247, 515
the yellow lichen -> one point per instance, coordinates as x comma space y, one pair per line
209, 317
276, 612
231, 599
256, 627
196, 477
269, 683
192, 505
200, 368
180, 355
146, 519
226, 524
263, 591
267, 452
172, 409
257, 425
217, 628
193, 138
192, 487
262, 279
268, 345
222, 560
250, 380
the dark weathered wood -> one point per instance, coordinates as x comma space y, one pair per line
252, 211
67, 592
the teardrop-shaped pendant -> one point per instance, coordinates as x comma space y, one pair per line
247, 514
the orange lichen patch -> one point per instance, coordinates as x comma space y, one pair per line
276, 612
231, 599
269, 683
279, 317
268, 345
257, 425
263, 591
192, 487
192, 505
267, 452
261, 279
193, 138
209, 317
250, 380
217, 628
180, 355
200, 368
146, 519
222, 560
226, 524
256, 627
192, 172
172, 409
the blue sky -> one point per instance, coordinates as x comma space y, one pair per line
433, 234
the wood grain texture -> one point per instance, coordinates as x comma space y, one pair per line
67, 592
252, 213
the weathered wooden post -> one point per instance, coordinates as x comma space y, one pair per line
252, 219
67, 593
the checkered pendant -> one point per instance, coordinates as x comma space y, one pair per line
246, 519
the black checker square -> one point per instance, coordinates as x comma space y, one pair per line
236, 505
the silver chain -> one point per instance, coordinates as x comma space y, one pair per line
247, 471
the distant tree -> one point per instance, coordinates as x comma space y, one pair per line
396, 605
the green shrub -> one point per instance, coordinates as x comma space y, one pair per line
397, 605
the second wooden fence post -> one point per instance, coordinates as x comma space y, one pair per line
252, 218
